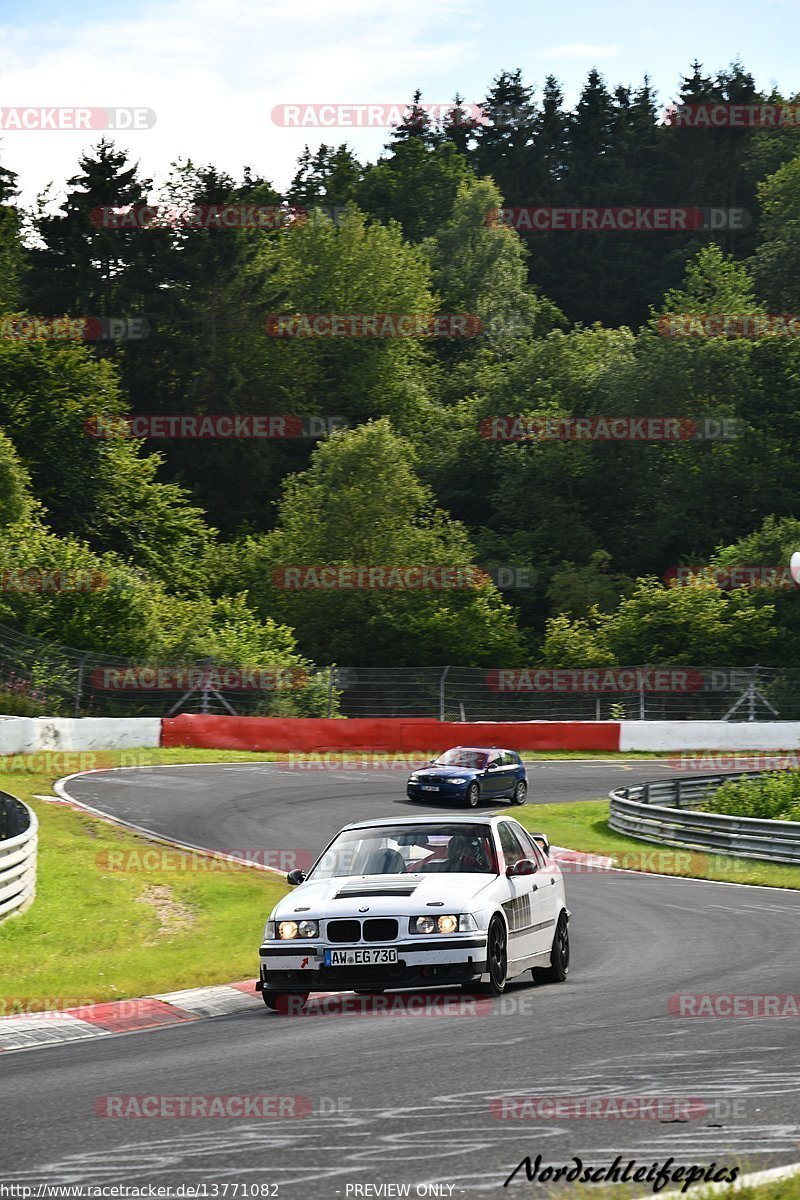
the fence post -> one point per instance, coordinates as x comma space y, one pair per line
76, 712
441, 693
331, 671
641, 692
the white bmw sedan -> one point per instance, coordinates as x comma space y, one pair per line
419, 902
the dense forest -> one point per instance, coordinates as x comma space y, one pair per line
577, 539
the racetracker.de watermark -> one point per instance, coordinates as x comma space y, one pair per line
406, 1004
57, 763
629, 219
215, 426
727, 578
74, 329
735, 760
346, 578
35, 579
374, 114
517, 428
196, 216
299, 326
612, 680
729, 325
205, 1107
181, 679
45, 118
727, 115
732, 1006
614, 1108
158, 859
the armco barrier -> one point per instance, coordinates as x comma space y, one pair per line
387, 735
18, 839
655, 812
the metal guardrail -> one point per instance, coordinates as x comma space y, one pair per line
19, 830
654, 812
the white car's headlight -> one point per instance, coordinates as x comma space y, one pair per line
288, 930
444, 924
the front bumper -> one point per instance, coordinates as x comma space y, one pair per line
302, 969
443, 791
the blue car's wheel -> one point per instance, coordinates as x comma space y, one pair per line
520, 792
472, 796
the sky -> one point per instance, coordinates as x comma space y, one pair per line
213, 72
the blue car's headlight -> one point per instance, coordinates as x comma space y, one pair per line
459, 780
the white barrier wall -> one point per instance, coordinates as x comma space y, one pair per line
17, 735
709, 735
24, 735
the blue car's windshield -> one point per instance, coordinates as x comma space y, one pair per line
475, 760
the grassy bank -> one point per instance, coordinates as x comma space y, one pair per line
99, 934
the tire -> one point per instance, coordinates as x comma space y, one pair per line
559, 956
472, 796
497, 956
519, 793
285, 1002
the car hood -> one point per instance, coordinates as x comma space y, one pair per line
383, 895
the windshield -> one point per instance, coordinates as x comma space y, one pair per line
404, 849
476, 760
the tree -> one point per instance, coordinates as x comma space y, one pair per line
459, 127
776, 264
505, 138
82, 268
361, 503
695, 625
414, 185
12, 252
96, 488
416, 125
327, 177
479, 267
15, 498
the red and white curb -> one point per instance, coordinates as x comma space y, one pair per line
29, 1030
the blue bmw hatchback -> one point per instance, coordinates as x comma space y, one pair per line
469, 774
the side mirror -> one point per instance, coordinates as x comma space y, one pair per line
525, 866
295, 877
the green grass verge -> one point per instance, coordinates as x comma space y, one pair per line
782, 1189
95, 934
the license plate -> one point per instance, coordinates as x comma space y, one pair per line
360, 958
430, 787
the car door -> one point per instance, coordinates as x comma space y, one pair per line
507, 775
525, 906
491, 781
549, 902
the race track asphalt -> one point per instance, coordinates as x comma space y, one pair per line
407, 1100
